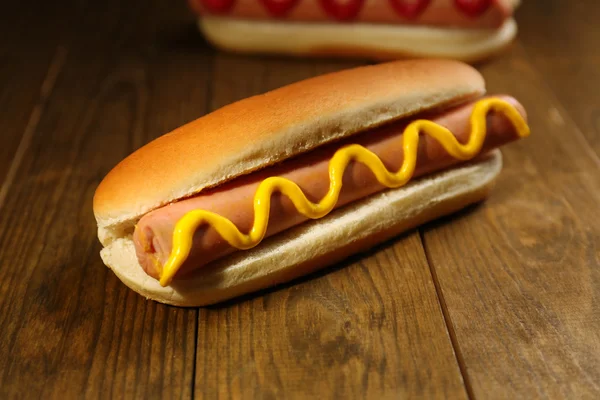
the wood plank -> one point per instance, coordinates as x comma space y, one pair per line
69, 327
561, 39
30, 57
520, 275
370, 328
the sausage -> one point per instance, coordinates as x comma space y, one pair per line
234, 199
448, 13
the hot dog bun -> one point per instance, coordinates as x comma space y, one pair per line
266, 129
371, 41
315, 244
262, 130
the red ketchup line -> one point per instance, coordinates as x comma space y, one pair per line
342, 10
218, 6
279, 8
410, 9
473, 8
345, 10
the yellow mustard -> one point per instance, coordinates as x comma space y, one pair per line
191, 221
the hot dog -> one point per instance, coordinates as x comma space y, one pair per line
296, 134
379, 29
154, 232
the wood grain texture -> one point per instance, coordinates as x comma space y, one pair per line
30, 57
561, 39
520, 276
371, 328
69, 327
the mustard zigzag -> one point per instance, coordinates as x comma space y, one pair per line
191, 221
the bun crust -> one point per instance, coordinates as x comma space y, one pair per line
315, 244
265, 129
371, 41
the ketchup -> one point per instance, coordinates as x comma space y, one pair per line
410, 9
218, 6
342, 10
279, 8
473, 8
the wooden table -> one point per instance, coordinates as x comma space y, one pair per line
499, 301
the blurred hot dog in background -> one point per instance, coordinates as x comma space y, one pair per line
468, 30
